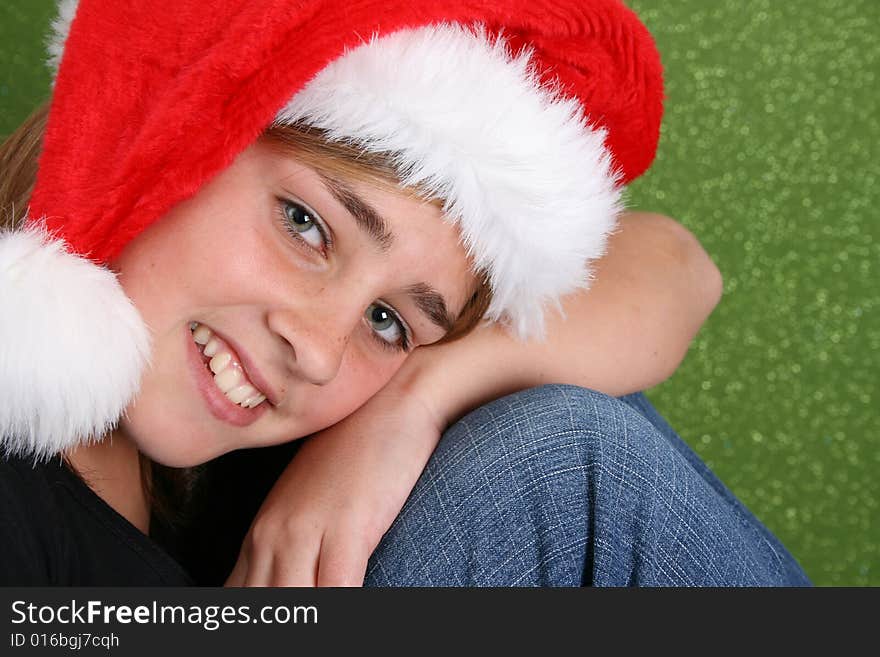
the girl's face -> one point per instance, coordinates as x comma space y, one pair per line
309, 289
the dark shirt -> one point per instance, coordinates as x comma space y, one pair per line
55, 531
230, 491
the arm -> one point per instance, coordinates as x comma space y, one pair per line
326, 514
652, 292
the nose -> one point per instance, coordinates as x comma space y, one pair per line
316, 338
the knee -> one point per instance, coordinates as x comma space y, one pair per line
551, 427
551, 405
524, 479
552, 409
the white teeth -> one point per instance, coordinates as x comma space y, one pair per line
211, 348
227, 379
202, 334
241, 393
254, 401
227, 376
220, 361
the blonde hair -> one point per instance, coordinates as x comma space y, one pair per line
18, 167
19, 155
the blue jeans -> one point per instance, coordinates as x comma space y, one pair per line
563, 486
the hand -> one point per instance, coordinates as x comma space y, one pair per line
344, 488
331, 506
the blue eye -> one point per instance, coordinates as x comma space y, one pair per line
305, 225
387, 326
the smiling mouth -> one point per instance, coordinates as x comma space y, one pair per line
222, 361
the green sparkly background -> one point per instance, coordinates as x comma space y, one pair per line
769, 155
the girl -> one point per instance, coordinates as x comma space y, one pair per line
253, 222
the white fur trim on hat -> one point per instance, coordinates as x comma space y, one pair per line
57, 38
527, 180
522, 173
75, 346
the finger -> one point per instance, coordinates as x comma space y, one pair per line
239, 572
296, 566
279, 556
259, 572
342, 563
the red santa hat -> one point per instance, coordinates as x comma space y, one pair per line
525, 116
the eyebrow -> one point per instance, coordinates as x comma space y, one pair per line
431, 304
366, 217
428, 300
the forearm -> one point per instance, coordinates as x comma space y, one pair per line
652, 291
342, 491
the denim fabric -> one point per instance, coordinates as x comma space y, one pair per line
563, 486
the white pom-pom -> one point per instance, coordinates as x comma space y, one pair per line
72, 346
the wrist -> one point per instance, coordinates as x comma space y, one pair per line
451, 379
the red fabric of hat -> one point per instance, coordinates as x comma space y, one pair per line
152, 98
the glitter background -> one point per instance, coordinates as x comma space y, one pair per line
769, 155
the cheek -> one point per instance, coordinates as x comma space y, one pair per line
360, 378
181, 270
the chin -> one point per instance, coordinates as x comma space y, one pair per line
176, 449
172, 458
